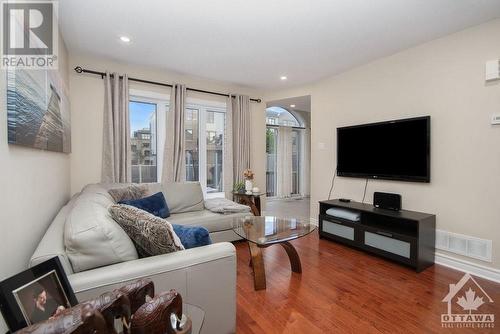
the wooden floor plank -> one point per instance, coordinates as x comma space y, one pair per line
344, 290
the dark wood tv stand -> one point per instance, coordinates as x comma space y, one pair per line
407, 237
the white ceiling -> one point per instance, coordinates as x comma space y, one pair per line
302, 103
255, 42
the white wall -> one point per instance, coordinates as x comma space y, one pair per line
445, 79
87, 99
34, 185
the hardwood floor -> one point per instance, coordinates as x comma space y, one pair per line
343, 290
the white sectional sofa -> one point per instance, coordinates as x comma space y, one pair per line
98, 256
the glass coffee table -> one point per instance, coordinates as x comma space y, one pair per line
261, 232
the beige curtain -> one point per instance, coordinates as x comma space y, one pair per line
240, 107
305, 162
116, 130
174, 164
228, 150
284, 162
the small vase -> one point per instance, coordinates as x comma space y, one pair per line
248, 186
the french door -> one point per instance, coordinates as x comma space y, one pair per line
204, 138
272, 133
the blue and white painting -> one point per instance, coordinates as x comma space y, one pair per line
38, 113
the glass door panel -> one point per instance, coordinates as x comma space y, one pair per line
191, 128
215, 122
271, 147
143, 139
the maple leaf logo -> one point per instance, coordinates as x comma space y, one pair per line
470, 302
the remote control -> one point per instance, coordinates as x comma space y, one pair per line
345, 200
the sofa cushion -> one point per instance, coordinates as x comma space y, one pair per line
184, 196
192, 236
213, 222
128, 192
151, 235
154, 204
91, 237
180, 196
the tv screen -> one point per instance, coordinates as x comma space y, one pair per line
394, 150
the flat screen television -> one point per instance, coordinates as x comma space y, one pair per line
393, 150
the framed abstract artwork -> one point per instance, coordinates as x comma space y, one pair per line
38, 112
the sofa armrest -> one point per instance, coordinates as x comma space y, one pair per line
204, 276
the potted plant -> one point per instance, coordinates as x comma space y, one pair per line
239, 186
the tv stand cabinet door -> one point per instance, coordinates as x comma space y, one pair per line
386, 244
338, 230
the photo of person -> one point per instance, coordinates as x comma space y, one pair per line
42, 299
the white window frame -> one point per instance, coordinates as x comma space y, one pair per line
203, 106
162, 102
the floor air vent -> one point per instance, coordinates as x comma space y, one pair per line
464, 245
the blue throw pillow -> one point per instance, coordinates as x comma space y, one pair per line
154, 204
192, 236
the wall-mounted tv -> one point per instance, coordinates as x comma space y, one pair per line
393, 150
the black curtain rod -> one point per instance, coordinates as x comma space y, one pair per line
79, 69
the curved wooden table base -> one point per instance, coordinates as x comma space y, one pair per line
293, 256
257, 262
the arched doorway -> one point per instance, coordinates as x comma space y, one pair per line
284, 150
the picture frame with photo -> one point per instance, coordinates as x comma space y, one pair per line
35, 295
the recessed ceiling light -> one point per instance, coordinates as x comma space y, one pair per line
125, 39
292, 105
283, 77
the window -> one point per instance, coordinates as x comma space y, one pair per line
210, 118
276, 117
143, 128
204, 126
214, 151
280, 116
192, 144
204, 139
271, 120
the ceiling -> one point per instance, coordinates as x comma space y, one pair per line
253, 43
302, 103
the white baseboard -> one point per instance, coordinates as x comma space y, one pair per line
468, 267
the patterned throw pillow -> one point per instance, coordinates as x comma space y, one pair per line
134, 191
151, 235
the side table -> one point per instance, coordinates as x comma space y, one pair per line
252, 200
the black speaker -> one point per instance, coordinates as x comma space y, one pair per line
387, 201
